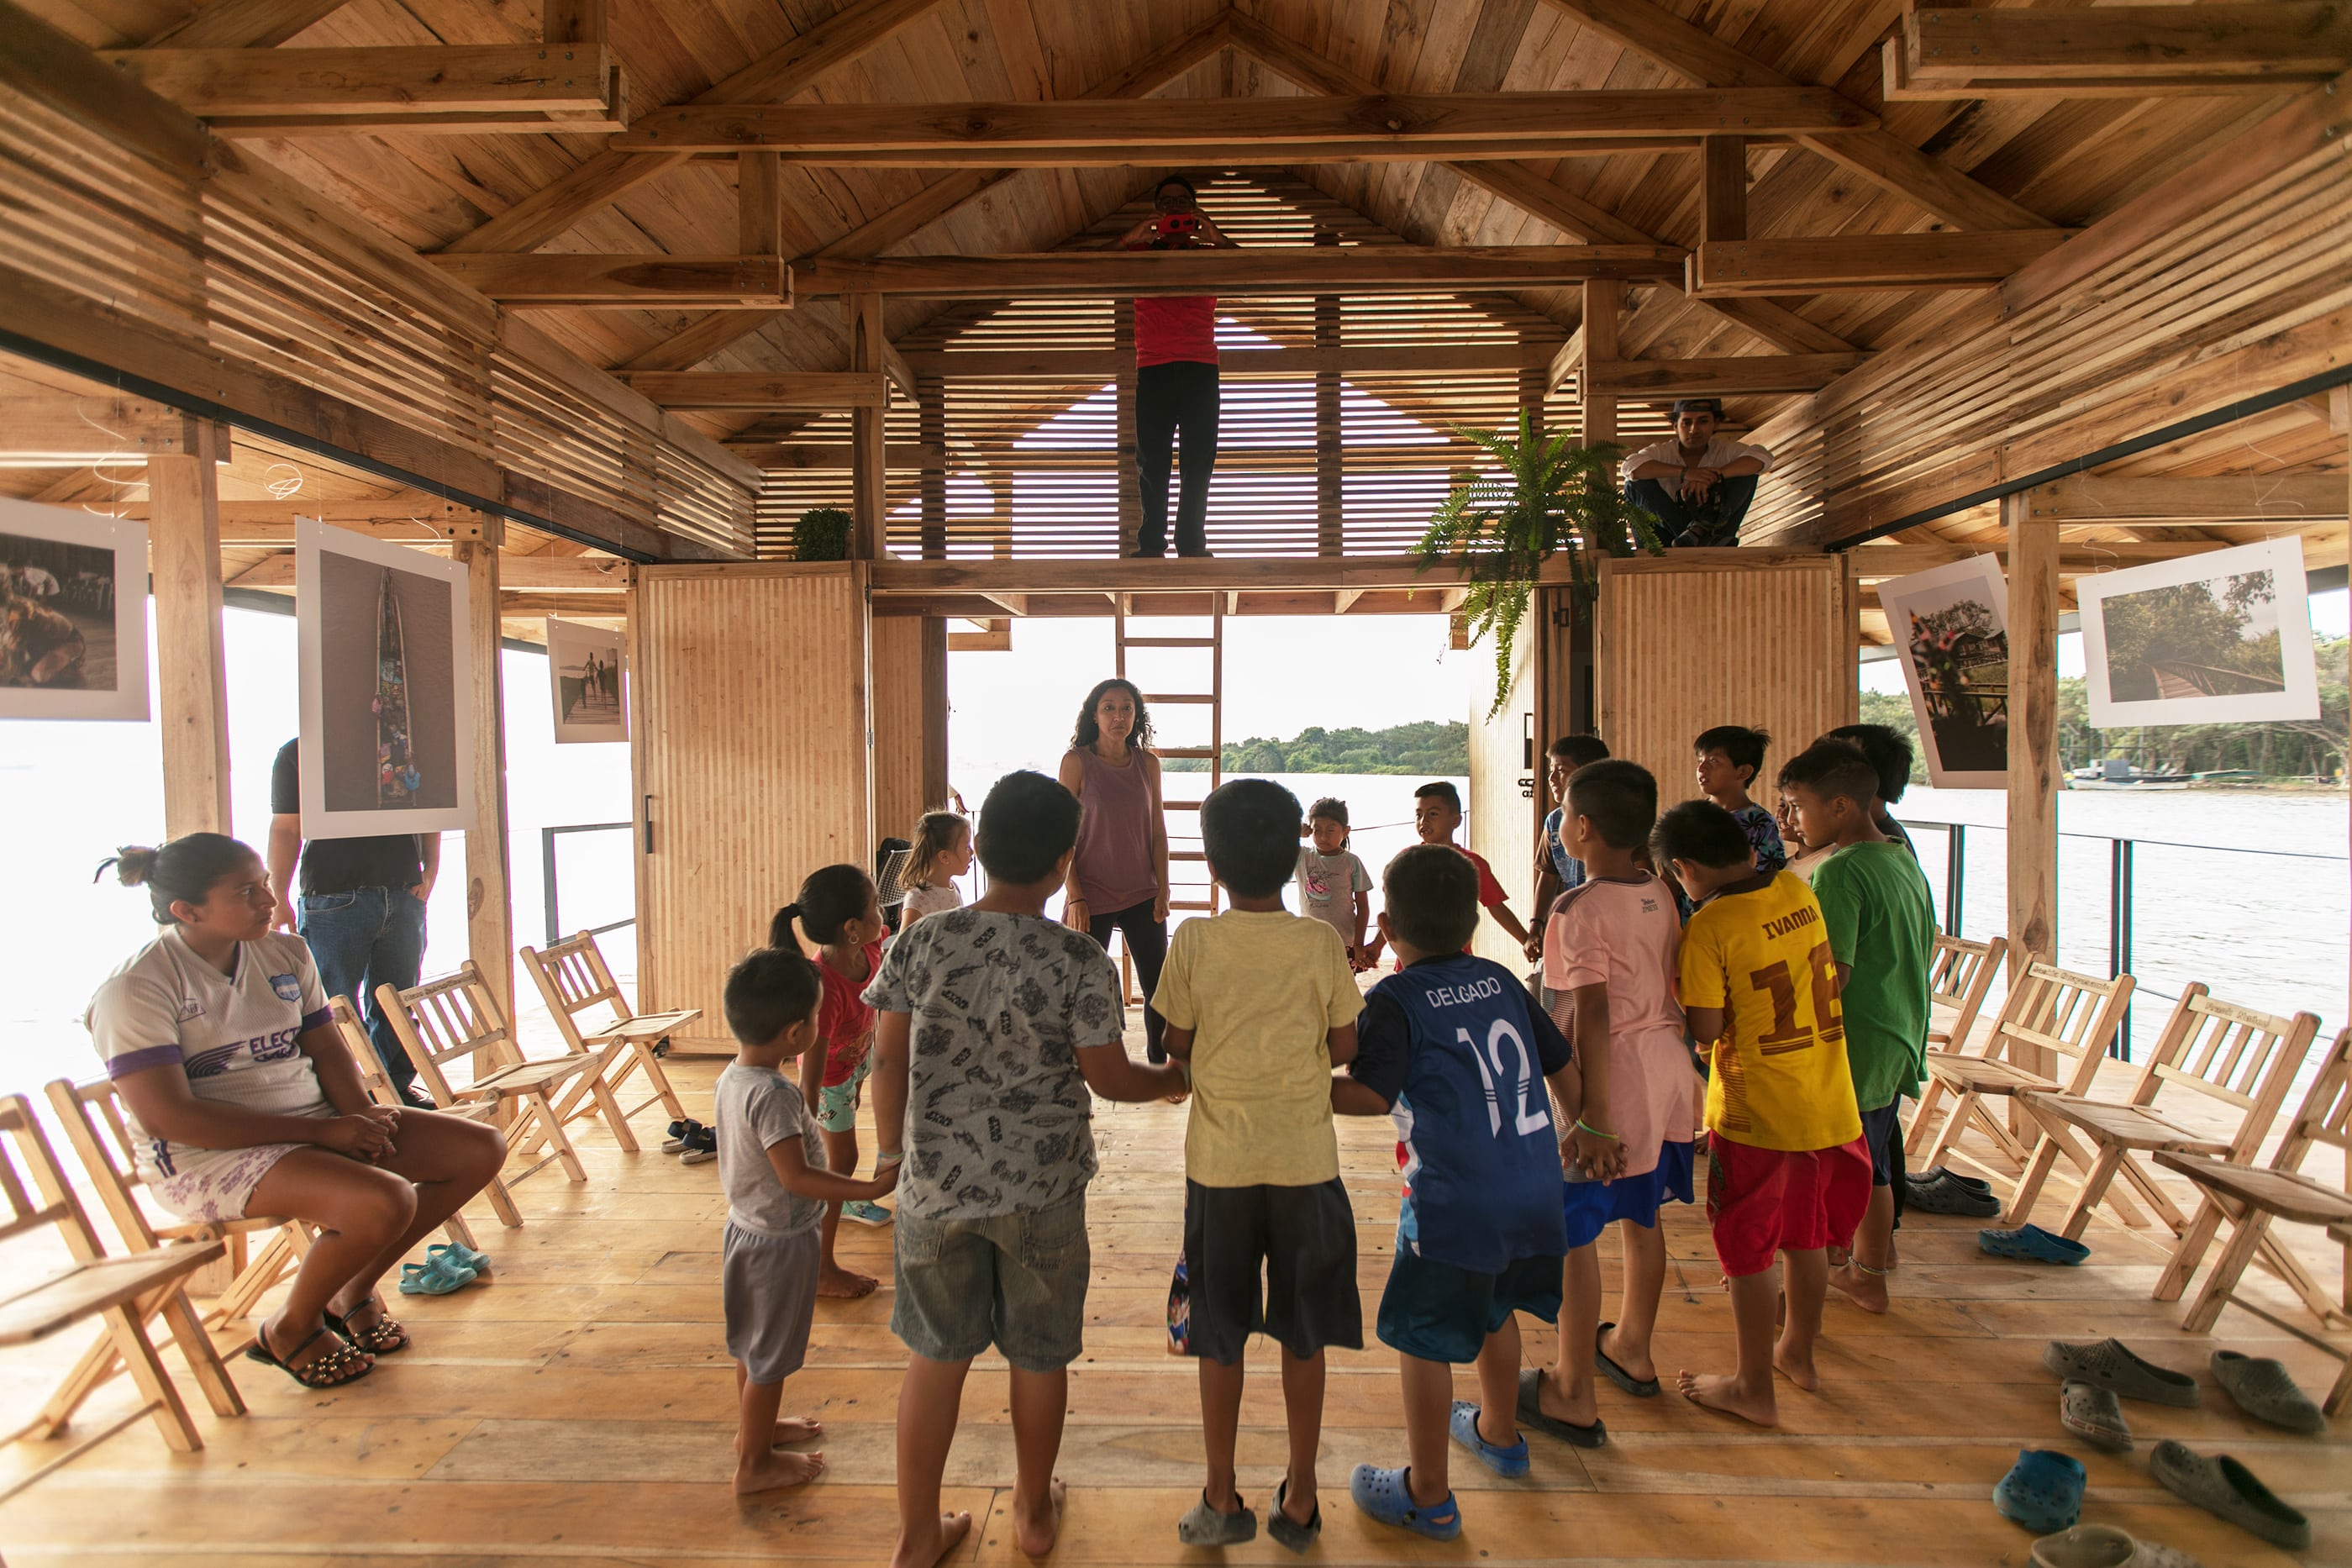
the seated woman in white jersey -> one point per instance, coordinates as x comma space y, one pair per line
243, 1100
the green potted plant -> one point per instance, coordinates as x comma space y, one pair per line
821, 534
1553, 497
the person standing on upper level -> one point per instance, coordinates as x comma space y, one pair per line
1175, 378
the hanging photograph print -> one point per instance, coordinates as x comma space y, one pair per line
585, 664
71, 646
1951, 627
2221, 637
387, 685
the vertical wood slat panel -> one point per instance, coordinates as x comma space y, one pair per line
899, 793
756, 757
1695, 638
1501, 827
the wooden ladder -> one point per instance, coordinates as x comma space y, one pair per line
1197, 891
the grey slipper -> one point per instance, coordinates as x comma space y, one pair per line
2262, 1389
2227, 1490
2108, 1365
2092, 1413
1204, 1526
2104, 1546
1287, 1532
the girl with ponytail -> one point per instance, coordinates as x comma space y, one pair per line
244, 1100
942, 853
840, 913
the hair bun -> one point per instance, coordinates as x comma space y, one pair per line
132, 863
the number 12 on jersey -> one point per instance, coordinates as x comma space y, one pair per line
1525, 1120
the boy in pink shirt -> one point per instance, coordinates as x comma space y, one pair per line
1610, 952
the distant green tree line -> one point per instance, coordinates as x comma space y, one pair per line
1428, 747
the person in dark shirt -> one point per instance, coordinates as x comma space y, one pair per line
360, 906
1175, 377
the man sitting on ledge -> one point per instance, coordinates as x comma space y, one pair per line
1699, 485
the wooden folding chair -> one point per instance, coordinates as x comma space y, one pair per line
574, 978
2250, 1197
354, 1037
92, 1114
455, 1019
2234, 1055
2049, 1008
122, 1292
1959, 977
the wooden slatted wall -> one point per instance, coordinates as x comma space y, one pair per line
1699, 638
1501, 827
755, 764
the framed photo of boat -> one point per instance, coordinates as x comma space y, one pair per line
71, 645
1951, 627
2224, 637
387, 682
584, 664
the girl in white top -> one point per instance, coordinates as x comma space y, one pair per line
942, 853
243, 1100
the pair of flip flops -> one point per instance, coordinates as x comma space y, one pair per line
1941, 1191
441, 1273
2033, 1244
691, 1141
2227, 1490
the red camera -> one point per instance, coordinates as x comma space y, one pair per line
1179, 226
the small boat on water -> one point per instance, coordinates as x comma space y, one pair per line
2114, 773
395, 770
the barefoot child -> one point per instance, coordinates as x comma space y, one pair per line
1333, 886
1730, 758
1261, 1004
942, 853
1610, 954
1450, 1046
1881, 924
839, 910
1020, 1019
771, 1164
1787, 1171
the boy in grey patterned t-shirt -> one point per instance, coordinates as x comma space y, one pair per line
994, 1025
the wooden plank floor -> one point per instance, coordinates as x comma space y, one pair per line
578, 1408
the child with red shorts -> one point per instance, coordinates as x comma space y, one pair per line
1788, 1170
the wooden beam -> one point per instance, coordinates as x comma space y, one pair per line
869, 462
606, 176
489, 915
1723, 188
759, 389
2277, 44
1344, 599
2256, 498
1936, 260
1882, 158
61, 431
1077, 365
1604, 301
1044, 579
1371, 268
1719, 377
372, 86
1392, 127
2032, 836
572, 575
1877, 563
191, 667
759, 205
626, 282
1896, 86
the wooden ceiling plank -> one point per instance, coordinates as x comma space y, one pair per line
624, 282
1945, 47
1932, 261
760, 389
605, 176
1879, 156
245, 23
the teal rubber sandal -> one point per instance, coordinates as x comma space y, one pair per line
437, 1278
1385, 1497
464, 1257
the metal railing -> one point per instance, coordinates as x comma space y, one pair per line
2121, 856
555, 931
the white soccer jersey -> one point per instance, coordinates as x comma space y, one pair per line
233, 1034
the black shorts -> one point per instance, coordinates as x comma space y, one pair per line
1882, 1129
1436, 1311
1303, 1239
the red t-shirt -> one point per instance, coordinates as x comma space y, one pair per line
1490, 891
843, 1022
1182, 330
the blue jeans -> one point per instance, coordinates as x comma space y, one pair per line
1715, 520
360, 939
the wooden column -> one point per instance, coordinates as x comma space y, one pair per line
1723, 188
1604, 299
2033, 739
868, 457
931, 431
191, 687
489, 911
1130, 486
1330, 531
936, 781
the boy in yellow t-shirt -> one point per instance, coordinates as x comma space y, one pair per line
1788, 1170
1260, 1006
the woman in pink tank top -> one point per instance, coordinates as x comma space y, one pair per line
1118, 876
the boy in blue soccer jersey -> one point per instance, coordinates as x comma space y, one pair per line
1449, 1046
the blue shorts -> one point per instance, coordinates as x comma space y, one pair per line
1438, 1312
1590, 1208
1882, 1129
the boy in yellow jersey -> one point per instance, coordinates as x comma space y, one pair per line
1788, 1170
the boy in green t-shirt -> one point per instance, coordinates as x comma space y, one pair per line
1881, 924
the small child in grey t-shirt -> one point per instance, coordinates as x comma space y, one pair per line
771, 1164
1333, 886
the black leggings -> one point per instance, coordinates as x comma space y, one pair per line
1147, 944
1169, 399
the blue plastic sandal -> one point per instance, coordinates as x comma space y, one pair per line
1383, 1495
438, 1277
461, 1255
1509, 1463
2042, 1491
2033, 1244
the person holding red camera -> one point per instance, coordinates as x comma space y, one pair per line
1175, 378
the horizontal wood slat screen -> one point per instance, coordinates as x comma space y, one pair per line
208, 269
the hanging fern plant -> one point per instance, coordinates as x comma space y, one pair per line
1553, 497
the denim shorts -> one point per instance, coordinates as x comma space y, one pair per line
1017, 1282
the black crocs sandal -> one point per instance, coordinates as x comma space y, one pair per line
1284, 1529
331, 1370
383, 1337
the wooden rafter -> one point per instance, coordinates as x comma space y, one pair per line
762, 389
1867, 261
625, 282
1290, 269
1741, 378
360, 89
2120, 50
